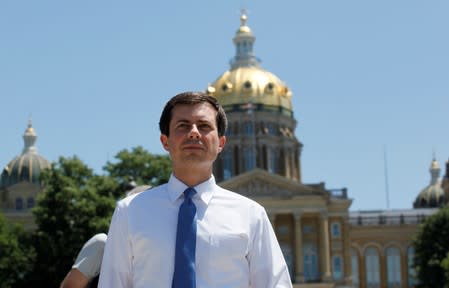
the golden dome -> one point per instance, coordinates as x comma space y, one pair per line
246, 82
251, 85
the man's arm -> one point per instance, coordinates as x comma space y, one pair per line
116, 266
266, 261
74, 279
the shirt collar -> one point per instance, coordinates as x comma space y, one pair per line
204, 190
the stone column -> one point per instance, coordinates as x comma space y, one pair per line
347, 256
325, 249
299, 257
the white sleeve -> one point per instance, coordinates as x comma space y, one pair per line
89, 258
117, 260
266, 261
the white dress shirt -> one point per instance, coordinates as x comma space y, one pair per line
235, 247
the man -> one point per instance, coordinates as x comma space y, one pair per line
191, 232
85, 270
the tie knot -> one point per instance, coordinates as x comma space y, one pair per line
189, 192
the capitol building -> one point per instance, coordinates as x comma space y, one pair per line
324, 243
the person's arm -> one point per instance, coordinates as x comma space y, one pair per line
116, 265
266, 262
74, 279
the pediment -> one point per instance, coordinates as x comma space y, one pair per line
260, 183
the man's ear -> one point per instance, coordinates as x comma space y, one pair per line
221, 143
164, 142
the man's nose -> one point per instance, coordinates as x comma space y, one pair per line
194, 133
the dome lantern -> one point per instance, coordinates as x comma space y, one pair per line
29, 139
244, 41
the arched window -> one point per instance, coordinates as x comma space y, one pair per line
311, 272
229, 129
335, 230
19, 203
372, 268
288, 256
393, 267
411, 267
249, 128
355, 269
272, 160
30, 202
271, 128
337, 267
249, 159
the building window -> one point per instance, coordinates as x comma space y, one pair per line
335, 230
30, 202
288, 256
229, 130
271, 128
355, 269
272, 160
248, 128
282, 230
227, 165
372, 268
311, 272
411, 268
308, 229
337, 267
393, 267
19, 203
249, 159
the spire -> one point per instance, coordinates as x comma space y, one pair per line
244, 41
434, 171
29, 139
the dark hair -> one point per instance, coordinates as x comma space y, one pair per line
192, 98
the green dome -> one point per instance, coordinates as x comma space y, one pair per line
26, 167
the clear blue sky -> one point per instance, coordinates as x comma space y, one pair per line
94, 76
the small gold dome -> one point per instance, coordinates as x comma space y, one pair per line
243, 27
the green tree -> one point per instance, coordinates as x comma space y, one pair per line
74, 205
16, 257
431, 248
140, 166
445, 266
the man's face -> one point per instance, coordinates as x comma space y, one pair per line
193, 135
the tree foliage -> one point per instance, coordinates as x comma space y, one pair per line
432, 250
16, 257
72, 207
140, 166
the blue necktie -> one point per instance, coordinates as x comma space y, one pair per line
184, 275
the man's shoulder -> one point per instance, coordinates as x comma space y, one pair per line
234, 196
153, 192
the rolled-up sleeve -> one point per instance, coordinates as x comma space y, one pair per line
266, 261
116, 267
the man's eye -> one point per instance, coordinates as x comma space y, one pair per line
182, 126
